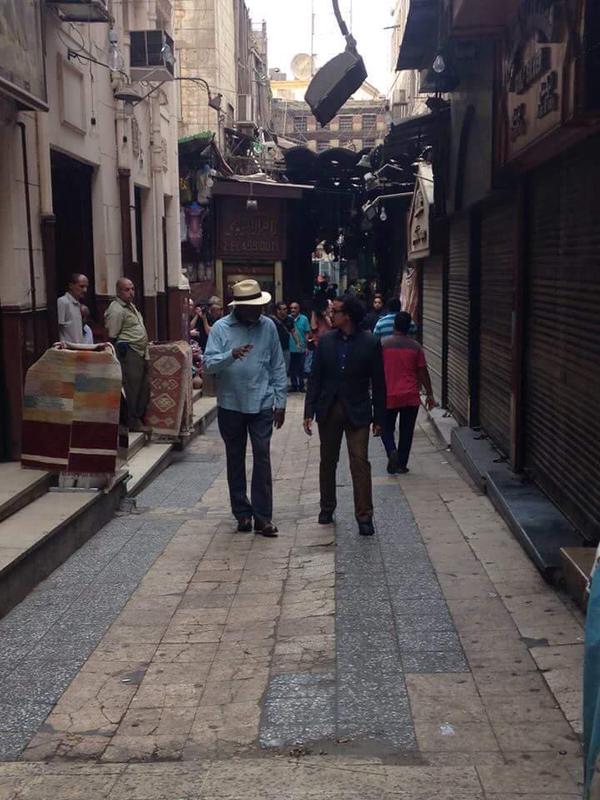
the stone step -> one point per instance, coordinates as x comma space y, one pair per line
577, 564
42, 535
136, 442
146, 465
19, 487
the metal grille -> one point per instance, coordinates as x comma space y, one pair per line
497, 282
563, 336
433, 320
458, 319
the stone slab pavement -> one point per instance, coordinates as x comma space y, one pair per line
172, 658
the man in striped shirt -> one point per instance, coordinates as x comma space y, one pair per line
385, 324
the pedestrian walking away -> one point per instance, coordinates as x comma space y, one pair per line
126, 330
298, 347
70, 322
346, 393
405, 372
385, 324
244, 352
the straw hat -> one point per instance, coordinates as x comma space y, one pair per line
249, 293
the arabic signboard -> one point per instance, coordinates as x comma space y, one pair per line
419, 239
22, 73
534, 74
257, 233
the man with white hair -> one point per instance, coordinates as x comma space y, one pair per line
244, 353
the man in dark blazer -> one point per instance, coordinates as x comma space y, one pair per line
346, 393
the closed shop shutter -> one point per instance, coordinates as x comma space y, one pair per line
497, 281
563, 335
433, 320
458, 319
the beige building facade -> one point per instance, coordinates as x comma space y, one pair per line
89, 183
205, 47
361, 123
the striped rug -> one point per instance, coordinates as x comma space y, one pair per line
169, 412
71, 412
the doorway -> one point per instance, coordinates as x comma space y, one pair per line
72, 200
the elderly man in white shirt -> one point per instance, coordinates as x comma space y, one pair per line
70, 322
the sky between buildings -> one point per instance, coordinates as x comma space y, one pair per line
288, 26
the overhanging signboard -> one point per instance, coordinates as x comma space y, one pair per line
22, 72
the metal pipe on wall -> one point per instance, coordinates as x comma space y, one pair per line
32, 287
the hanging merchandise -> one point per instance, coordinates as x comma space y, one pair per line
204, 184
185, 189
194, 216
71, 423
409, 292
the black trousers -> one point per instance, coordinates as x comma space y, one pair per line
408, 420
235, 428
136, 384
297, 370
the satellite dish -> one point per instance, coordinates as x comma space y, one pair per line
302, 67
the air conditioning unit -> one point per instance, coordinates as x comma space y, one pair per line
151, 56
81, 10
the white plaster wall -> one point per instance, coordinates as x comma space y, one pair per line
101, 137
15, 285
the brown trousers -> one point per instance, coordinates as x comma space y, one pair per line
331, 431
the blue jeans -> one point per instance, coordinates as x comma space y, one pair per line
235, 428
408, 420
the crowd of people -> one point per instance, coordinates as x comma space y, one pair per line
359, 370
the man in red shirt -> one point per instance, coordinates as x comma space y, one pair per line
405, 372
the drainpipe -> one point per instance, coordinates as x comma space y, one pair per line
47, 223
21, 125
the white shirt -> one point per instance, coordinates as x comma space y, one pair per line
88, 336
70, 324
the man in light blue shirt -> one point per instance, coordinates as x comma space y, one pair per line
298, 347
244, 353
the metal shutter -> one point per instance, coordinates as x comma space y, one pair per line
563, 335
433, 320
458, 319
497, 282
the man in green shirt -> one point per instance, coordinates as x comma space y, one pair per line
126, 330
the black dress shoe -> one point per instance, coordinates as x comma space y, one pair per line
245, 525
392, 465
266, 529
402, 470
325, 517
366, 528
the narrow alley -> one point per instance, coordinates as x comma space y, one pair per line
173, 658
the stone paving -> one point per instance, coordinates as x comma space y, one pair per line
173, 658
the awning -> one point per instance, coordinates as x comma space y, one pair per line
419, 44
243, 187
